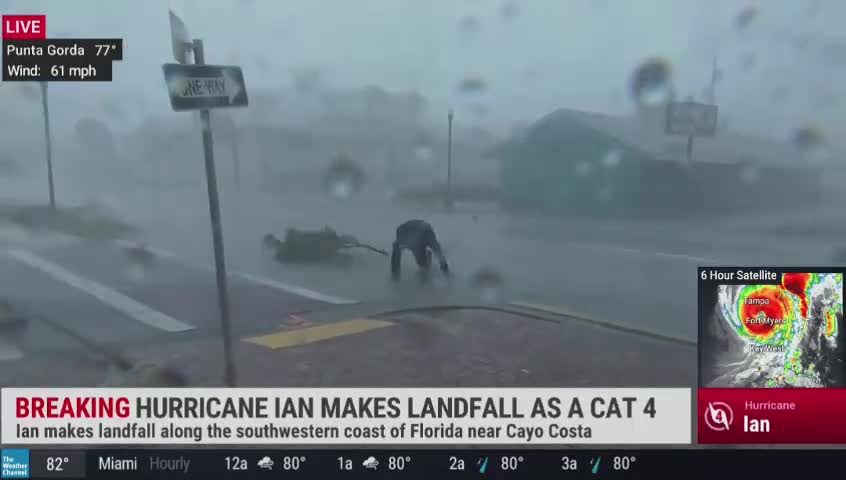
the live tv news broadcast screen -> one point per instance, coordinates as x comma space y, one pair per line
381, 239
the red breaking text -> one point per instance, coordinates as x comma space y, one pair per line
81, 407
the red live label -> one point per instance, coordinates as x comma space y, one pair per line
24, 27
769, 416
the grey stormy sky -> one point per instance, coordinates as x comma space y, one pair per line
777, 72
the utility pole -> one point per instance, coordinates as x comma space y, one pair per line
49, 144
449, 160
712, 88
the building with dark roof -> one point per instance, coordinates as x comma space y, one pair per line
590, 163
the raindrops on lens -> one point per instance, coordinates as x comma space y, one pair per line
29, 91
750, 174
810, 140
471, 85
139, 261
510, 10
341, 185
748, 61
489, 284
746, 16
611, 158
651, 83
583, 169
469, 24
808, 137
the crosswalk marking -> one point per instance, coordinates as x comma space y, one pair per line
305, 336
285, 287
114, 299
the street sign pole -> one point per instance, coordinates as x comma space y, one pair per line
217, 232
236, 158
49, 144
449, 161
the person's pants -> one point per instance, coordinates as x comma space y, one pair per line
423, 257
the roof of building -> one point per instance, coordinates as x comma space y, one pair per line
646, 134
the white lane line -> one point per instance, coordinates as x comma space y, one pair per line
9, 352
635, 251
285, 287
691, 258
303, 292
116, 300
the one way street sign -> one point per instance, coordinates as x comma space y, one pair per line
198, 87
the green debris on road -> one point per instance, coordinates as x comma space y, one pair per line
314, 246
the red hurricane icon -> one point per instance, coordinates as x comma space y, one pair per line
719, 416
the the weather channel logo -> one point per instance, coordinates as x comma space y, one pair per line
15, 463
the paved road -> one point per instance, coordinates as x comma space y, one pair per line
85, 298
639, 274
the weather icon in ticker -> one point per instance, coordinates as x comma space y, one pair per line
719, 416
371, 463
265, 463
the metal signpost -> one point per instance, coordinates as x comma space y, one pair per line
49, 144
691, 119
203, 87
233, 136
449, 160
236, 154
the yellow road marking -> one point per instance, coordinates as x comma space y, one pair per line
559, 311
602, 322
304, 336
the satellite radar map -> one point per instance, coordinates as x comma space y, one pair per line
787, 333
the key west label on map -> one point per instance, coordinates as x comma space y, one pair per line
197, 87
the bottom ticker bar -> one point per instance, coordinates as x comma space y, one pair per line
416, 464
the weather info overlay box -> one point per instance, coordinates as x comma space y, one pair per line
29, 56
771, 356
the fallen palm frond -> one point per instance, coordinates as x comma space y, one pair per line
313, 246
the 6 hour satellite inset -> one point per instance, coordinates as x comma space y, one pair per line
788, 334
